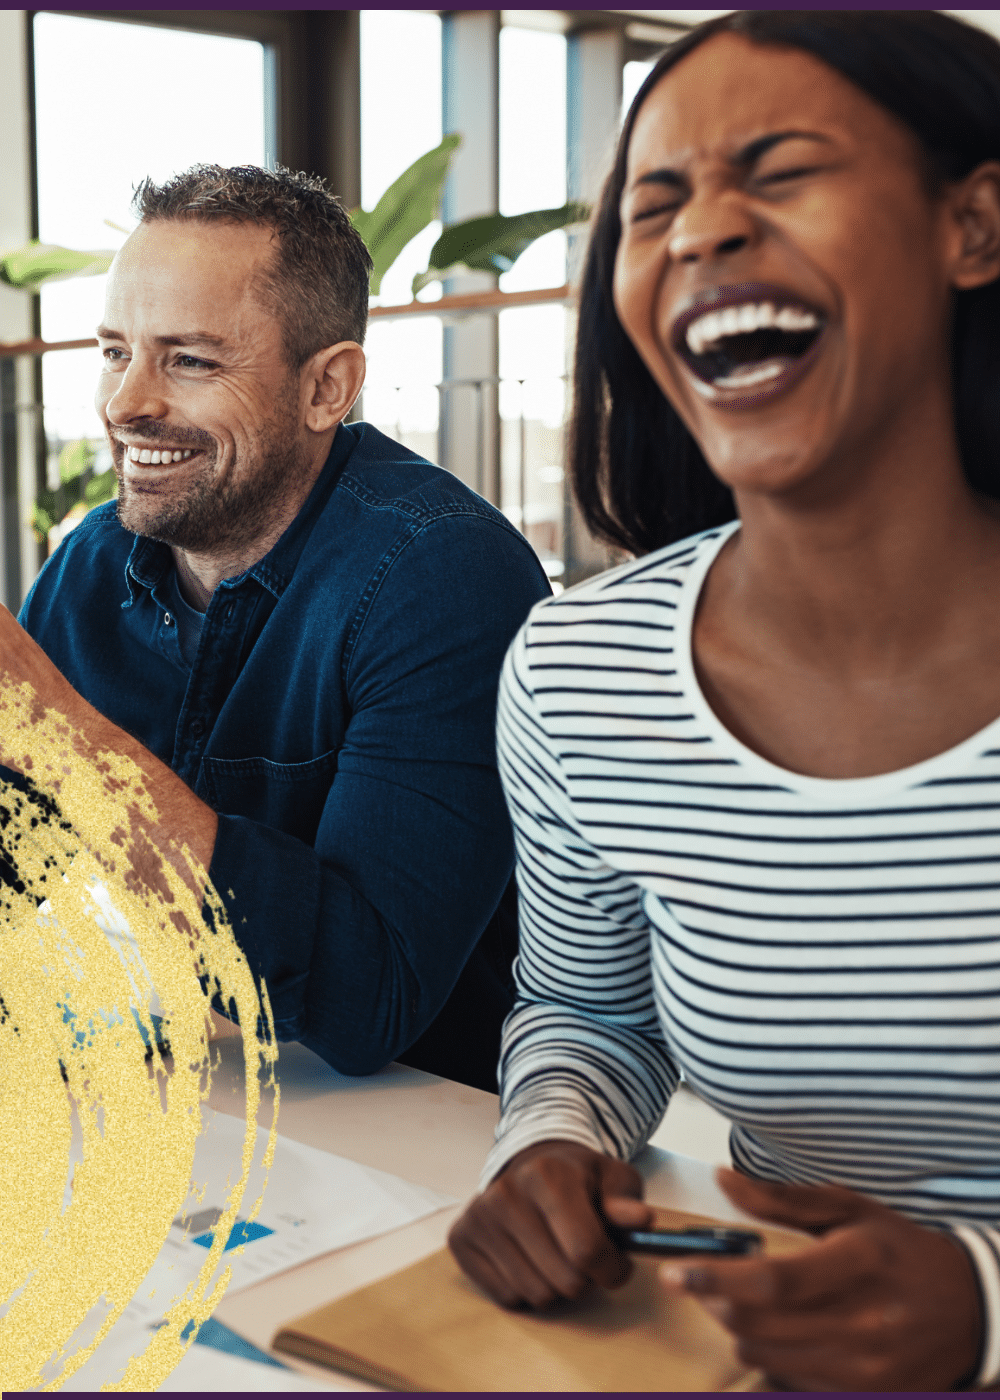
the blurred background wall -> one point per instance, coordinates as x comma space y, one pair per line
92, 101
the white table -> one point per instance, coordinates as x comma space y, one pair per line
429, 1131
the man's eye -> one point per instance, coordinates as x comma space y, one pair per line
113, 354
192, 362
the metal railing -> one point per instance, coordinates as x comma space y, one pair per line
507, 455
524, 476
513, 457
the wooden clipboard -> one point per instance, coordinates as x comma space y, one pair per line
428, 1328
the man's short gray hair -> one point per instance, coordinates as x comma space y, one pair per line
317, 283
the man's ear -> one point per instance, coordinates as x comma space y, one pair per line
333, 379
975, 206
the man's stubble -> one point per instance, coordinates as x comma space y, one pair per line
209, 515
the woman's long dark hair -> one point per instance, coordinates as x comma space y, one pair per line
638, 474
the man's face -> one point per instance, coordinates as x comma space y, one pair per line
204, 416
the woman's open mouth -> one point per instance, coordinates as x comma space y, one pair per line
746, 344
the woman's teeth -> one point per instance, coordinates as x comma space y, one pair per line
749, 378
156, 459
714, 326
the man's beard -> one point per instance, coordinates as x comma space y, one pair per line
210, 516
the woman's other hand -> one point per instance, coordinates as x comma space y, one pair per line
536, 1234
879, 1303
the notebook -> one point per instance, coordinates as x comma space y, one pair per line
430, 1328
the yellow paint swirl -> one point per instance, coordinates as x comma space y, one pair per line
76, 836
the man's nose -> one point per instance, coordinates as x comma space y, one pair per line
710, 226
138, 394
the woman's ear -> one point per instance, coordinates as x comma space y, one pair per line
975, 208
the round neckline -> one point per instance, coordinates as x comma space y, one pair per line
836, 789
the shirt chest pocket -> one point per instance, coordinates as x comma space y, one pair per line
287, 796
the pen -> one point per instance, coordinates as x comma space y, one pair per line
697, 1239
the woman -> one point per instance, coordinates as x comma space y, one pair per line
754, 774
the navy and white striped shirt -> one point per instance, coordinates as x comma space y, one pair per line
820, 957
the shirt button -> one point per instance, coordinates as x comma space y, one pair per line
168, 621
197, 727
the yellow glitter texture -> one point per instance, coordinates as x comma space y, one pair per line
67, 994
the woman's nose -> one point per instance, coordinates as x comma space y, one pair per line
711, 226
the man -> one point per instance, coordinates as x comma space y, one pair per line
296, 626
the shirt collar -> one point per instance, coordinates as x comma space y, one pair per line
149, 560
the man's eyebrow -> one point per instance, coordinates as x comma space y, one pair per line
744, 157
190, 338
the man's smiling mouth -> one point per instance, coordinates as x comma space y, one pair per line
744, 343
146, 456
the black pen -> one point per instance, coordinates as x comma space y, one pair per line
696, 1239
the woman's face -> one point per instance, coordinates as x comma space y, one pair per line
783, 269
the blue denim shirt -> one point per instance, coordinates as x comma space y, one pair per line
339, 717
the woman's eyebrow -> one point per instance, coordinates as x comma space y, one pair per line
753, 150
744, 157
662, 177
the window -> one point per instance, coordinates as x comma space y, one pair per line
533, 346
481, 388
634, 74
169, 98
400, 120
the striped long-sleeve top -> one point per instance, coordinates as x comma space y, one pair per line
819, 957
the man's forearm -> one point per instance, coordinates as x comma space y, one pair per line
150, 831
182, 819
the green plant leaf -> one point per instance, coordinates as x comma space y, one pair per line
28, 267
79, 489
75, 459
41, 522
406, 208
100, 488
494, 242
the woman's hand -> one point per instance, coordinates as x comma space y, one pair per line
536, 1233
879, 1303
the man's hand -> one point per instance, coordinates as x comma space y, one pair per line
879, 1303
536, 1233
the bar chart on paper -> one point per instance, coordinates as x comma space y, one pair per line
312, 1202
